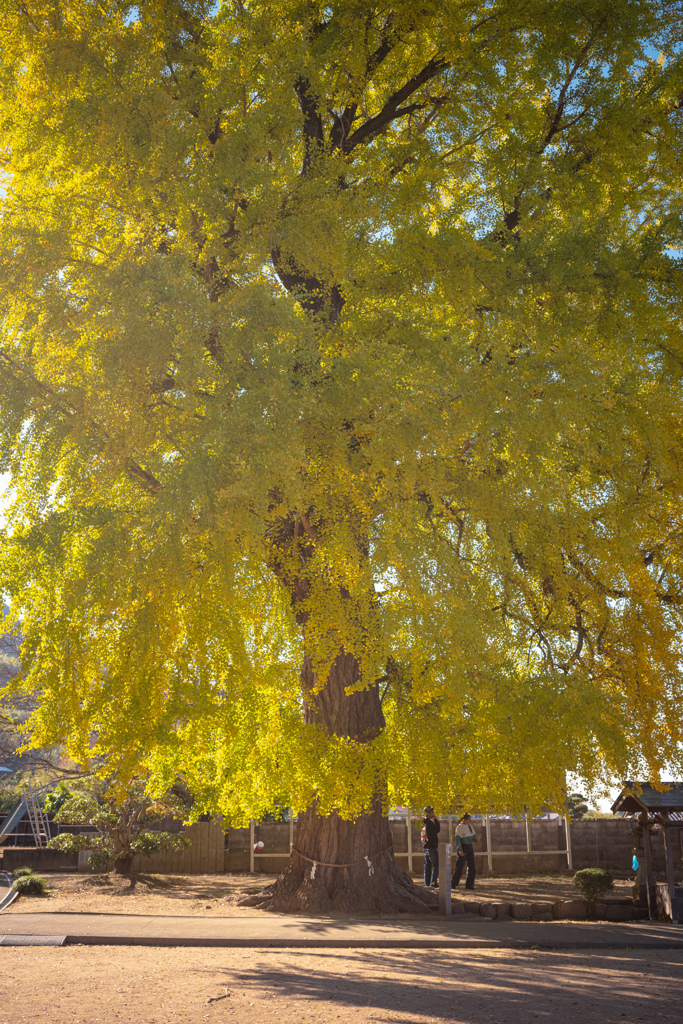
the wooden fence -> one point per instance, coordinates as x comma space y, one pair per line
204, 856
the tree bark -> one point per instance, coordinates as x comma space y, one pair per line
340, 865
123, 864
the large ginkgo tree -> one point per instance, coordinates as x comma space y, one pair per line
340, 370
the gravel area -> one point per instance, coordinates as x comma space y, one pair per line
110, 985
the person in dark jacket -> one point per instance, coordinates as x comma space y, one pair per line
430, 844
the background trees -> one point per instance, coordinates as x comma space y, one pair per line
341, 388
124, 824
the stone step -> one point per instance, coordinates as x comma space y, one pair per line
551, 910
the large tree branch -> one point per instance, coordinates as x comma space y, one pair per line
313, 122
312, 295
143, 477
342, 122
392, 108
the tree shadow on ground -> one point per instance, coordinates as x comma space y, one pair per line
504, 986
175, 887
530, 889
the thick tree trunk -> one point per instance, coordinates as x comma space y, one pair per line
340, 865
123, 864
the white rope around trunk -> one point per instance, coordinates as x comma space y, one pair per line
349, 864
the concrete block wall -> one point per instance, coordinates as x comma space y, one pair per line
399, 837
604, 844
510, 837
507, 835
40, 860
609, 843
595, 843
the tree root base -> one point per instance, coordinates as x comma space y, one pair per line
396, 894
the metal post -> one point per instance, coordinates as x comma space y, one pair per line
568, 833
489, 846
450, 829
291, 831
445, 879
528, 832
252, 866
409, 826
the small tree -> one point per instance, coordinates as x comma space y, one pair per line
577, 806
55, 800
593, 883
125, 825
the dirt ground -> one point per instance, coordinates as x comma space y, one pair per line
203, 895
172, 895
532, 890
142, 985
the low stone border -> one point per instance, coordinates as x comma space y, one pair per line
558, 910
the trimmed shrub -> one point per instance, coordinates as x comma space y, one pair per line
19, 872
29, 885
593, 883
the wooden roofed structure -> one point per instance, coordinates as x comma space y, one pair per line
638, 797
656, 811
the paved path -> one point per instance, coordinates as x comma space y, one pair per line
6, 894
285, 931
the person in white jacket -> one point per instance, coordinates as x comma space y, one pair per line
465, 838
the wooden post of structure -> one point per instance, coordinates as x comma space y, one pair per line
252, 865
445, 907
669, 856
650, 890
409, 826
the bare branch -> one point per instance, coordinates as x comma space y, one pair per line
556, 123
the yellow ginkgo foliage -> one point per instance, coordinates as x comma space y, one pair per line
340, 386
